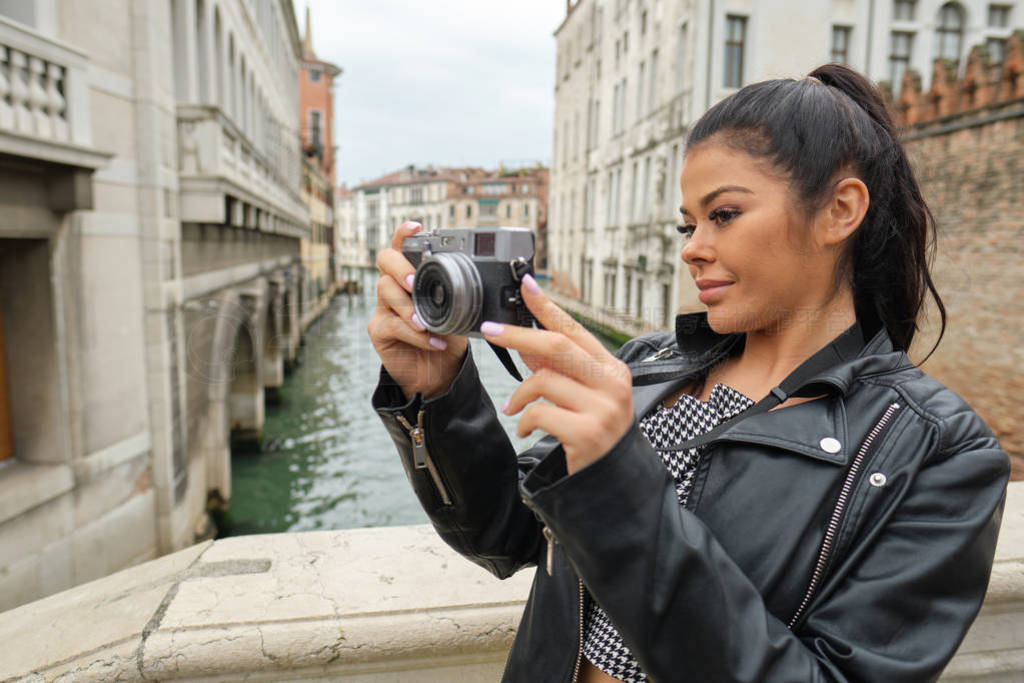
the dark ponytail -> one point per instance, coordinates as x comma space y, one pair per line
813, 129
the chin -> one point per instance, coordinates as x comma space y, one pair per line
724, 320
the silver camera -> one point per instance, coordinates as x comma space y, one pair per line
466, 276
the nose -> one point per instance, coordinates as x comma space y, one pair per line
697, 250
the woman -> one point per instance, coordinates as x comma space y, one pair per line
838, 517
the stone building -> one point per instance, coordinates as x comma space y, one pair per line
965, 138
316, 118
633, 75
149, 251
442, 198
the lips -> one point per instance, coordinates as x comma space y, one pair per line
711, 289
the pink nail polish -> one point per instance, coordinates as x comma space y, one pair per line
504, 408
530, 284
409, 279
491, 329
418, 323
414, 227
439, 344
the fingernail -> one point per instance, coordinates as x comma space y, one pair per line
414, 227
491, 329
504, 408
409, 280
439, 344
418, 323
531, 285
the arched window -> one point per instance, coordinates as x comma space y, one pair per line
949, 32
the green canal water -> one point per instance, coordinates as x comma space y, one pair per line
327, 462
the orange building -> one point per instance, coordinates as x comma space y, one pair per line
316, 115
316, 106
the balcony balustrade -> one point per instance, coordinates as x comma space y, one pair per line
44, 99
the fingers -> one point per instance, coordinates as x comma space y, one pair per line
392, 263
555, 319
404, 230
548, 384
556, 421
392, 295
386, 327
554, 350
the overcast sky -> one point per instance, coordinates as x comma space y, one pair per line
445, 82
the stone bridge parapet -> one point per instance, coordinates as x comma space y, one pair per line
380, 604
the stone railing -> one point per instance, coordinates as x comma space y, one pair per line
212, 147
44, 98
379, 604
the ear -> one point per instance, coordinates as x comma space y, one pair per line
846, 210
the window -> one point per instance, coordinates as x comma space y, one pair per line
903, 10
526, 210
643, 23
652, 88
735, 36
841, 44
999, 16
681, 48
451, 211
469, 210
314, 75
633, 191
640, 91
899, 58
508, 211
416, 195
996, 50
526, 188
949, 34
314, 128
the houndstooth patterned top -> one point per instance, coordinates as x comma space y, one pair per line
662, 427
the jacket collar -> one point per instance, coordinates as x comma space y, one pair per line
852, 356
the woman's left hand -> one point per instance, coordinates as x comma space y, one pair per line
589, 390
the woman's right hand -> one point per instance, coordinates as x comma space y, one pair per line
415, 358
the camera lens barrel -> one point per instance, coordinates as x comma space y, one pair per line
448, 294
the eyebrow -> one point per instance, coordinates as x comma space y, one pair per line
710, 196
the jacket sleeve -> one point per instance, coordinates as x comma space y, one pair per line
682, 605
469, 484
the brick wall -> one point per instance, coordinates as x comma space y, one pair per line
965, 139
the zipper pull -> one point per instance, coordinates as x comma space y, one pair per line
550, 536
419, 444
660, 355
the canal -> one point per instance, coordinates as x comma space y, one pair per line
327, 462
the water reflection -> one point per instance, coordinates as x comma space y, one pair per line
327, 462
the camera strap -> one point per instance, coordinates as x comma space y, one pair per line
506, 359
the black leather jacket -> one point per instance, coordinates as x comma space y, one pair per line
796, 558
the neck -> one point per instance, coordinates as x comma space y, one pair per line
770, 354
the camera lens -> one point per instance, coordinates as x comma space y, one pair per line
448, 294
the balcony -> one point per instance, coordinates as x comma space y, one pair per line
44, 100
225, 178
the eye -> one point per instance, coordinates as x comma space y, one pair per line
686, 230
723, 216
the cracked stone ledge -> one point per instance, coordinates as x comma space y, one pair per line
379, 604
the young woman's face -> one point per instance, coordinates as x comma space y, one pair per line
751, 252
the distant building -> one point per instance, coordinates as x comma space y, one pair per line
632, 76
316, 117
445, 198
150, 173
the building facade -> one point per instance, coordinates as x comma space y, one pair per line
149, 245
633, 75
441, 198
316, 118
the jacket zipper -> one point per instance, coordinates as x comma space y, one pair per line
579, 649
421, 457
837, 514
549, 536
660, 355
